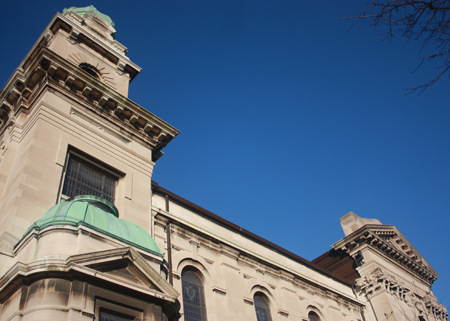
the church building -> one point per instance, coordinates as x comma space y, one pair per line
85, 234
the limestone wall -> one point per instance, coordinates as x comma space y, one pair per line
35, 156
235, 267
65, 299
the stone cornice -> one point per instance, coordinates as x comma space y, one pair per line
48, 68
79, 26
252, 259
389, 242
79, 265
73, 25
81, 230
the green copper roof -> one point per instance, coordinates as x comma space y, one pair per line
82, 11
100, 215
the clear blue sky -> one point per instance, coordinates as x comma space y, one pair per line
288, 120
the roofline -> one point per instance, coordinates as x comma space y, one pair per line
160, 190
369, 230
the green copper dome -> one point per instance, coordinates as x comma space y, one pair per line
100, 215
82, 11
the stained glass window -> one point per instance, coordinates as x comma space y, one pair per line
193, 296
84, 178
262, 307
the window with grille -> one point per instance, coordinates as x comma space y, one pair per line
193, 296
84, 177
262, 307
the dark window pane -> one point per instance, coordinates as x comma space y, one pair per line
84, 178
313, 316
91, 70
105, 316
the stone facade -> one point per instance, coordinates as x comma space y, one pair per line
68, 98
66, 107
395, 278
235, 266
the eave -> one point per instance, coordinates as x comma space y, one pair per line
48, 68
377, 237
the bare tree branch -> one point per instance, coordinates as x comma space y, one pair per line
425, 20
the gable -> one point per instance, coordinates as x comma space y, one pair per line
391, 244
124, 270
124, 267
398, 246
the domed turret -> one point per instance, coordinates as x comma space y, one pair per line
101, 215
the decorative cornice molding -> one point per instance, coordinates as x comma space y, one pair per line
80, 265
47, 67
186, 230
389, 242
218, 290
283, 313
78, 28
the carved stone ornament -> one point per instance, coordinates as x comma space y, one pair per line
380, 281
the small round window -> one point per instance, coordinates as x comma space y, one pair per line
91, 70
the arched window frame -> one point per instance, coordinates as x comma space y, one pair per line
314, 314
262, 306
90, 69
192, 284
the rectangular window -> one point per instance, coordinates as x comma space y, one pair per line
106, 316
85, 177
108, 310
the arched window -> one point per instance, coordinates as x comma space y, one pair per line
91, 70
193, 296
262, 307
313, 316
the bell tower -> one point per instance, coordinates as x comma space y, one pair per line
86, 38
67, 128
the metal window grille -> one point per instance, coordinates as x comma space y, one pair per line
261, 307
193, 297
84, 178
